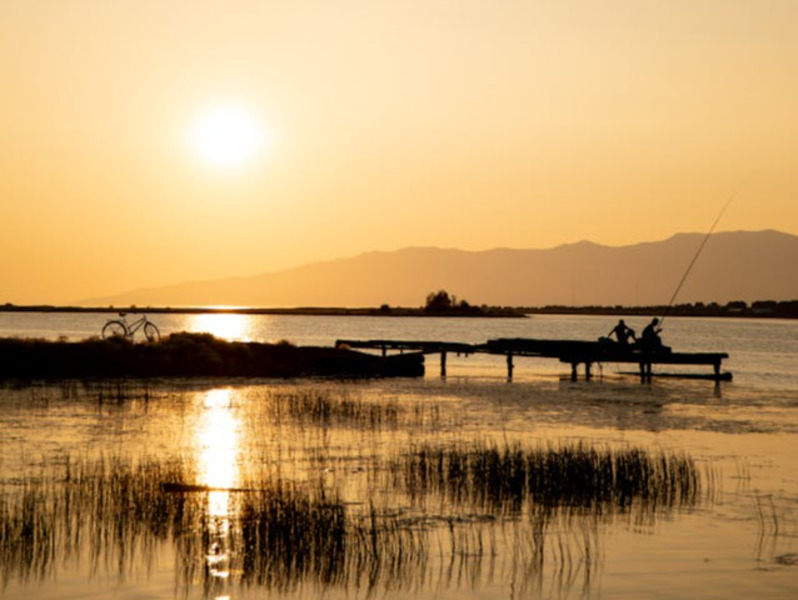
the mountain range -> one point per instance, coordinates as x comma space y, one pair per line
740, 265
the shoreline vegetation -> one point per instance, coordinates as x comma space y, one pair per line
759, 309
192, 355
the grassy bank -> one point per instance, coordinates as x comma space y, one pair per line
191, 355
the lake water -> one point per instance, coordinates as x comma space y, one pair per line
735, 535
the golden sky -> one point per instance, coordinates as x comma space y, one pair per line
357, 125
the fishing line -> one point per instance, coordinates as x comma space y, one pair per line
696, 255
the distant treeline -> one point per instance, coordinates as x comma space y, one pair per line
760, 309
441, 304
322, 311
438, 304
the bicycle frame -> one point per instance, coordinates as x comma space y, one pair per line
133, 327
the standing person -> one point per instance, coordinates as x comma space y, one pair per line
622, 333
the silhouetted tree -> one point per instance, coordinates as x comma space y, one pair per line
438, 302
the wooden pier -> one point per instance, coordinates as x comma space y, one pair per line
423, 347
572, 352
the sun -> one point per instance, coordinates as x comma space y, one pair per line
227, 136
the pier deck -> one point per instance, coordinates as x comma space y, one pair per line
589, 353
572, 352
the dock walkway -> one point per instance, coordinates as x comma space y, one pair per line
572, 352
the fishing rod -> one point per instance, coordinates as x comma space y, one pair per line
696, 255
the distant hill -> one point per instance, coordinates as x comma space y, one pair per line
740, 265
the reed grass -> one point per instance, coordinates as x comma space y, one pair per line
108, 509
324, 408
502, 480
288, 535
114, 513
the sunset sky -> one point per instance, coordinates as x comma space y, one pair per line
154, 142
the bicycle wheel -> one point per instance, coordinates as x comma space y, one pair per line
151, 332
114, 329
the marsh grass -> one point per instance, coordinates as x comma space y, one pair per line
579, 478
113, 515
289, 536
108, 510
546, 505
325, 408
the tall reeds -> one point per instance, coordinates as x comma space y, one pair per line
501, 480
324, 408
288, 535
108, 510
114, 514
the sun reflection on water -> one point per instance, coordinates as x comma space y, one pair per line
217, 440
227, 326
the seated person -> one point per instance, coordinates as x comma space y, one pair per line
650, 339
622, 333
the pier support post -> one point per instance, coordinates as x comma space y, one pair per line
384, 351
645, 371
587, 371
443, 363
510, 366
574, 367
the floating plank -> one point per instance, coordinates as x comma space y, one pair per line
424, 346
188, 488
724, 376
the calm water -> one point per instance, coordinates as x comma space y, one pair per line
737, 538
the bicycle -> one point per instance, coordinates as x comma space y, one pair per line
121, 328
